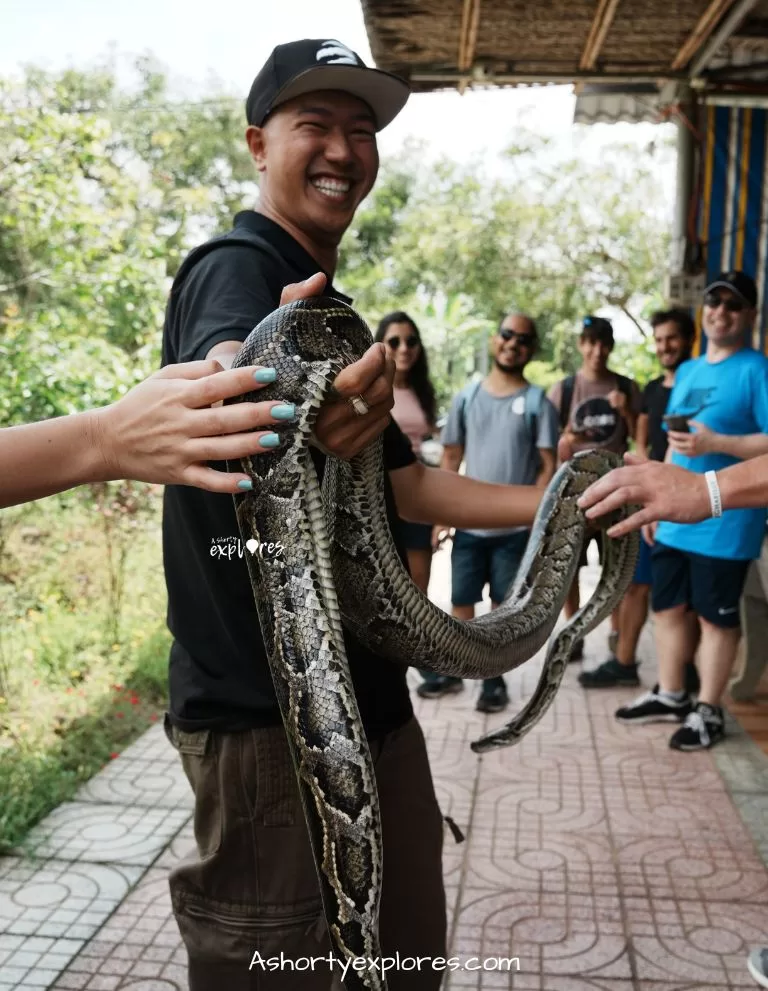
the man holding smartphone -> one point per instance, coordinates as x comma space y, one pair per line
722, 399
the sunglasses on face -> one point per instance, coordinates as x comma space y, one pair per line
732, 305
526, 340
410, 342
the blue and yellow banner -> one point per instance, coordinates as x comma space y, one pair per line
733, 201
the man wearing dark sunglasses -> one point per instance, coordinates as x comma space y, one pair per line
505, 431
720, 402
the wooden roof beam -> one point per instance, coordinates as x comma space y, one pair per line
470, 23
601, 24
706, 25
727, 29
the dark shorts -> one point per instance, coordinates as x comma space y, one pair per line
477, 561
710, 586
416, 536
643, 572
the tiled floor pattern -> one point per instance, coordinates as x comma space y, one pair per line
596, 858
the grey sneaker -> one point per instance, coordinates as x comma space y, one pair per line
757, 965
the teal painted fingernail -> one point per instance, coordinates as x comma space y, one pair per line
245, 483
265, 375
270, 440
286, 411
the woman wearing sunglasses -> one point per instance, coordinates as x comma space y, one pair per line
415, 413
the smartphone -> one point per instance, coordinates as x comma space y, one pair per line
678, 423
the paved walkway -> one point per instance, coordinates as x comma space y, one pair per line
594, 854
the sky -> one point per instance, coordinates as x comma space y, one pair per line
223, 46
229, 40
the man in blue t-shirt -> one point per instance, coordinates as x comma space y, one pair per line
721, 401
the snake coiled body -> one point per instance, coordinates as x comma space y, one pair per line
338, 567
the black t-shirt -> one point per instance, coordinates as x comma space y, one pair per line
219, 674
654, 405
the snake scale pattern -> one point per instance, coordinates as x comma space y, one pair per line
339, 567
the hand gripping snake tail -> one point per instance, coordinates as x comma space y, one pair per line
338, 566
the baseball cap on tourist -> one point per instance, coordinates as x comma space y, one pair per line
739, 283
306, 66
597, 328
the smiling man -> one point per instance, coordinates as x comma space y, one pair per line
722, 401
505, 430
252, 889
598, 408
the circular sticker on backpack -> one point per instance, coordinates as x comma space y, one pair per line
595, 420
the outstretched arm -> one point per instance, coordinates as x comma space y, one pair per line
432, 495
666, 492
163, 431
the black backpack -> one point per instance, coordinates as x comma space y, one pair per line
566, 396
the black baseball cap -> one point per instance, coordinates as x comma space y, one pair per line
739, 283
598, 328
306, 66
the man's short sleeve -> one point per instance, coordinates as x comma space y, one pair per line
225, 295
548, 426
636, 398
397, 451
760, 395
454, 432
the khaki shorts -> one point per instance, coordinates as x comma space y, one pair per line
252, 887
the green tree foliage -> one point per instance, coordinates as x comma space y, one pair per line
101, 193
103, 189
556, 239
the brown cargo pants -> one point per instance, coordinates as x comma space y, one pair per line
251, 891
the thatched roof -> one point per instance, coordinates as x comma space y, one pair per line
447, 43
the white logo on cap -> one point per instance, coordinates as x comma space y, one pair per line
335, 53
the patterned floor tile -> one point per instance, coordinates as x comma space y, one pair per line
60, 899
551, 934
528, 761
686, 771
152, 746
151, 783
138, 949
702, 943
611, 736
455, 799
551, 863
34, 961
533, 982
180, 847
753, 809
672, 812
547, 806
743, 767
690, 868
104, 833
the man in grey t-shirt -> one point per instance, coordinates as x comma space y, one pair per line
505, 430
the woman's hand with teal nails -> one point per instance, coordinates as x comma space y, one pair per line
167, 427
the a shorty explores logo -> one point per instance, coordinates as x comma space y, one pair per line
228, 548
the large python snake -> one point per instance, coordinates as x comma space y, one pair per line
338, 566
